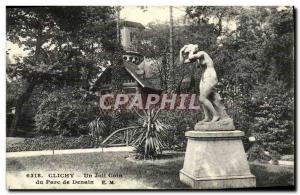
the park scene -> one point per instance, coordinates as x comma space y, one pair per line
150, 97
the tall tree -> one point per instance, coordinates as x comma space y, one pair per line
155, 45
208, 13
280, 49
61, 41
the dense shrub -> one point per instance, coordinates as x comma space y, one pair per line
121, 119
51, 143
265, 112
273, 124
63, 112
179, 122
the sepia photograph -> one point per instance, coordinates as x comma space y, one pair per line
150, 97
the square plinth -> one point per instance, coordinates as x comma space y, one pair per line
246, 181
216, 160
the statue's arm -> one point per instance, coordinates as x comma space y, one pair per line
181, 54
198, 55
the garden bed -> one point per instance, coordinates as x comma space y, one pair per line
48, 143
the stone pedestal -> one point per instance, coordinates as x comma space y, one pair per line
216, 160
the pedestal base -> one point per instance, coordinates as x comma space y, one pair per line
218, 182
216, 160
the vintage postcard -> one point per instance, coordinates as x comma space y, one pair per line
150, 97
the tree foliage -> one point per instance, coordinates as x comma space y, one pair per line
259, 95
63, 112
65, 46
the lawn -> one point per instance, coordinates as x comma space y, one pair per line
157, 175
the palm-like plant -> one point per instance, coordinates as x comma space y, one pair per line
97, 129
149, 141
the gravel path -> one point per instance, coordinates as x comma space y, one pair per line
69, 151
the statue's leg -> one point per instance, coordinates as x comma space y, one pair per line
205, 92
219, 107
210, 107
206, 114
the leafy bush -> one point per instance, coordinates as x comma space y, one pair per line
256, 153
273, 124
265, 112
117, 119
63, 112
51, 142
179, 122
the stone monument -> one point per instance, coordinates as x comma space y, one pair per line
215, 157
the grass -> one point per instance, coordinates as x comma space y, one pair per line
272, 175
151, 175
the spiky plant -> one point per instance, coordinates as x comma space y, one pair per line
96, 130
149, 141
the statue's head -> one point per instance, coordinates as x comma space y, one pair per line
186, 51
191, 48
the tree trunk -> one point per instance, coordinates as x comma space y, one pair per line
178, 88
19, 107
164, 73
192, 87
171, 45
118, 9
220, 25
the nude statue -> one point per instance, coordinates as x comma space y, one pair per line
210, 100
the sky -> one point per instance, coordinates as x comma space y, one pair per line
152, 14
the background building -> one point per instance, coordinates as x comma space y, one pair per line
129, 77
